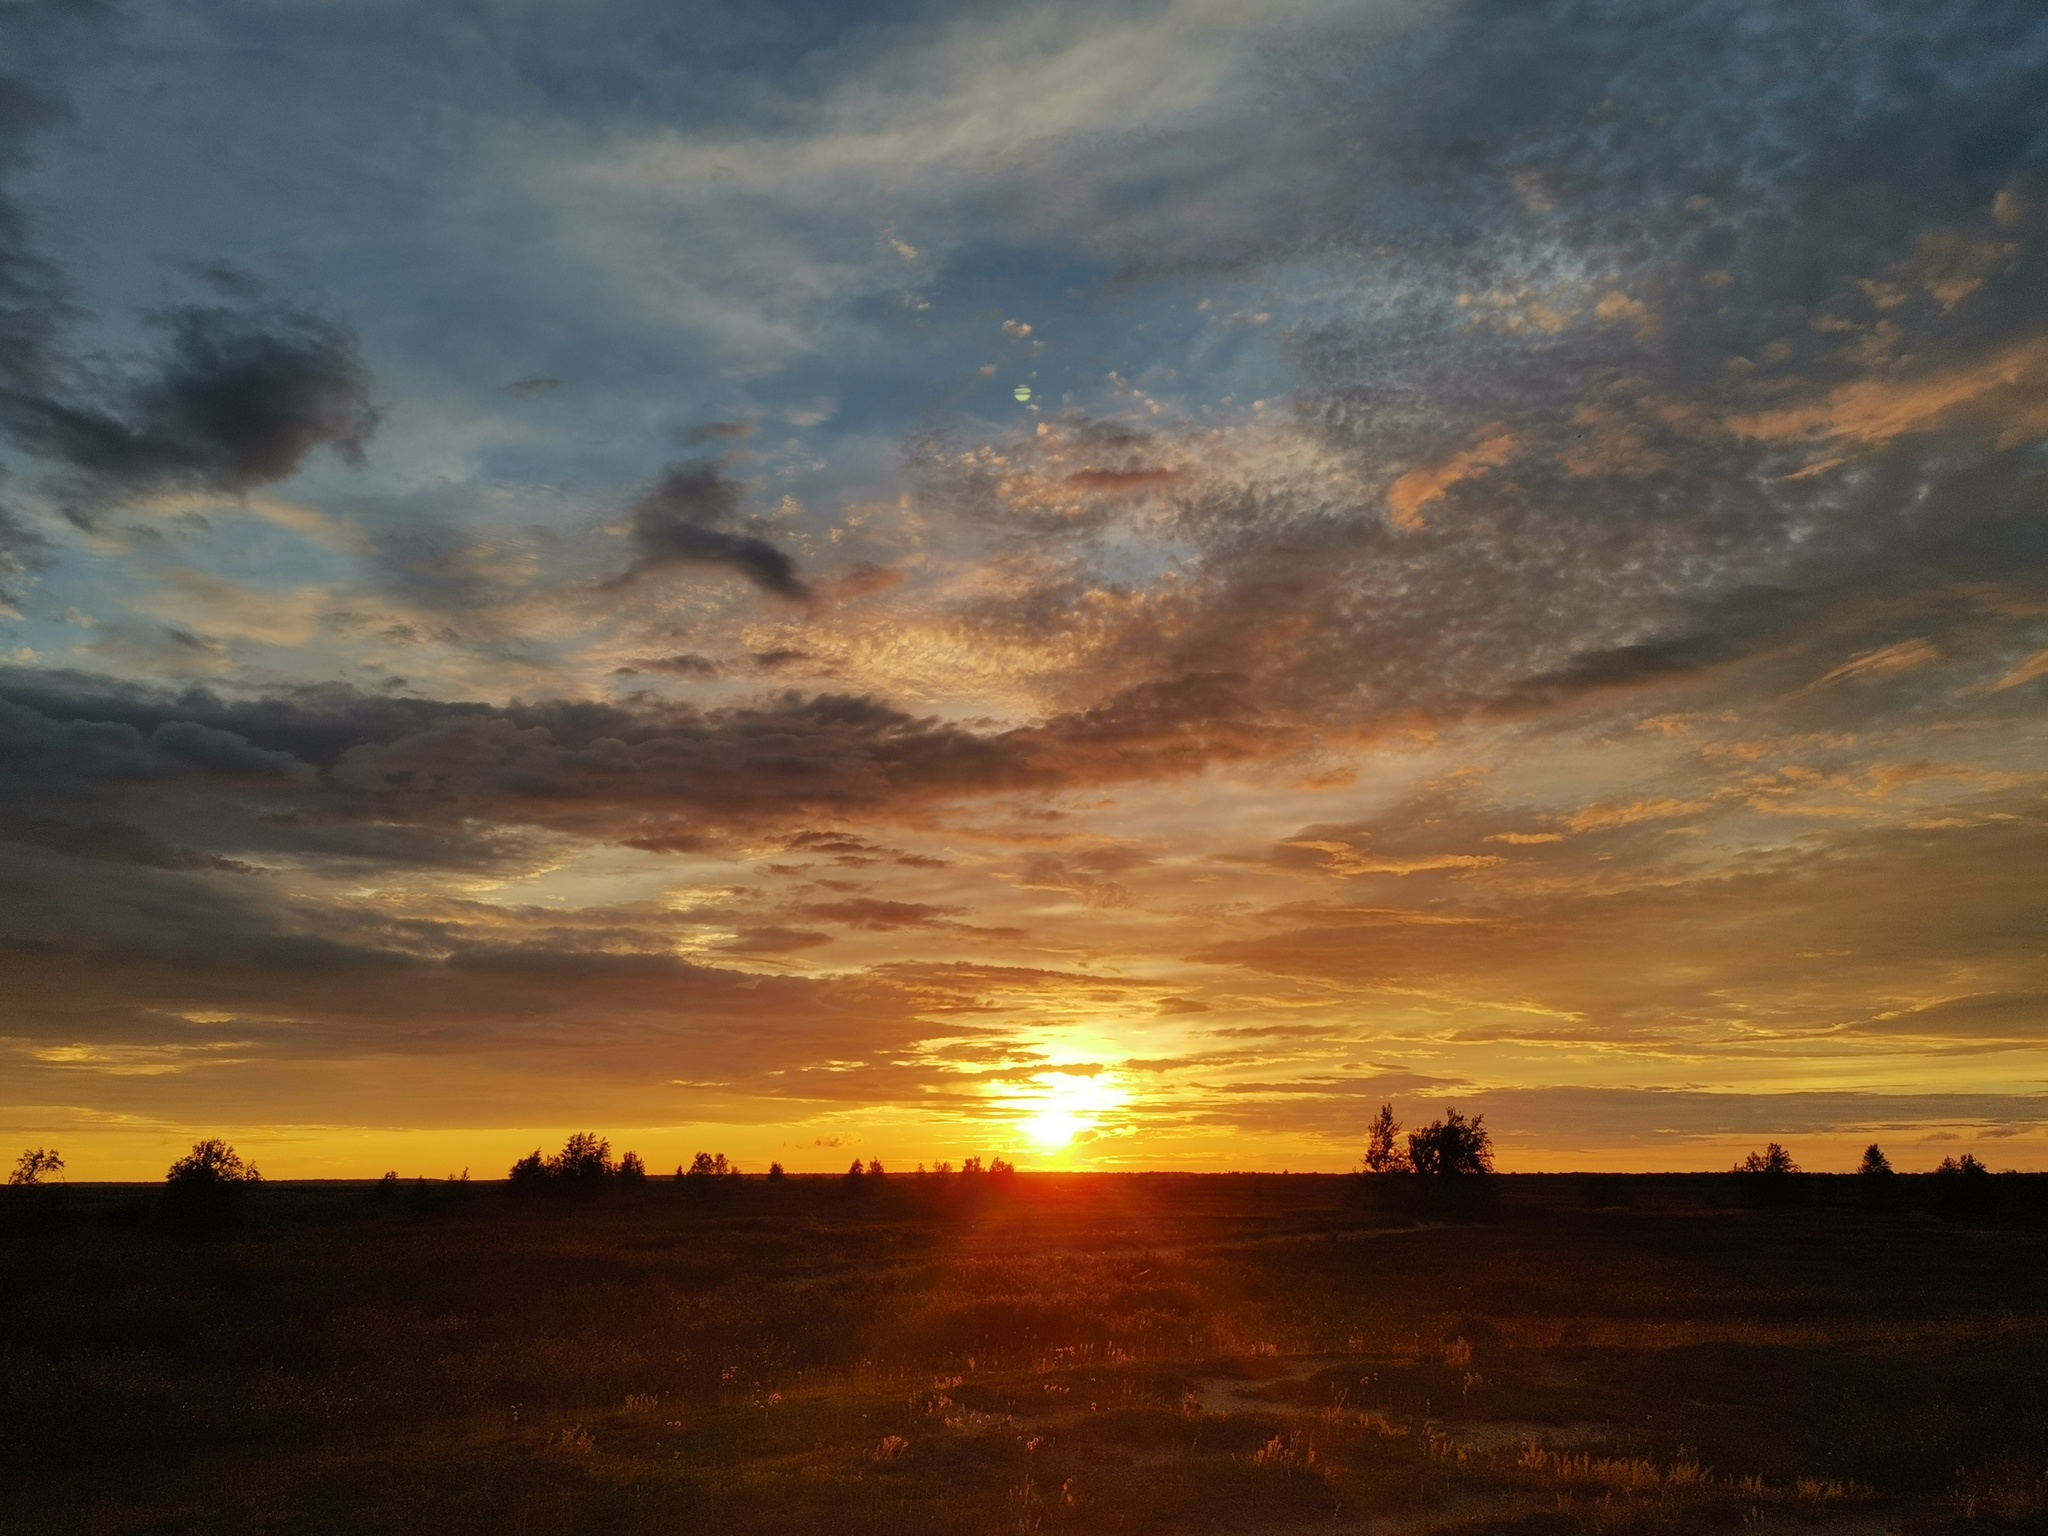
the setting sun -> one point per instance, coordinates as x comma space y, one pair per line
1065, 1106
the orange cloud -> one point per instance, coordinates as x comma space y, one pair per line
1123, 479
1906, 656
2011, 386
1600, 818
2030, 668
1347, 862
1419, 487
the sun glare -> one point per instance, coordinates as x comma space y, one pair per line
1065, 1107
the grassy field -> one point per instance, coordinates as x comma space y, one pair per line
1108, 1353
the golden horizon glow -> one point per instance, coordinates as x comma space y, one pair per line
1086, 595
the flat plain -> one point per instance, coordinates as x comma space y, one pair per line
1143, 1353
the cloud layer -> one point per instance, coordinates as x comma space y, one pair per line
1253, 565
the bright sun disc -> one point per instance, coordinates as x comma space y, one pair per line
1065, 1106
1053, 1128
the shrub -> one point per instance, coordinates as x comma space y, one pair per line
1773, 1161
585, 1158
1452, 1146
203, 1184
210, 1164
35, 1165
1000, 1168
583, 1165
1382, 1153
1770, 1177
1963, 1188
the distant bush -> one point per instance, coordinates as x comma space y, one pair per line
857, 1171
203, 1183
706, 1166
584, 1165
1770, 1177
1000, 1168
35, 1165
1964, 1188
1773, 1160
1454, 1155
585, 1158
1452, 1146
775, 1171
211, 1163
876, 1170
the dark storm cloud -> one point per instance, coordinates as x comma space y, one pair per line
344, 771
240, 390
239, 393
687, 664
686, 520
650, 775
56, 776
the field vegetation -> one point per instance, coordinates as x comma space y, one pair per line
1022, 1352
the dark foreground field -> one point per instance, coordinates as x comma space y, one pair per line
1141, 1354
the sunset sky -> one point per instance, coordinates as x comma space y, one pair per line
1114, 584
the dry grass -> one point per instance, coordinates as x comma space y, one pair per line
1141, 1355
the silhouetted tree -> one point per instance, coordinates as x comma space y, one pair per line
1452, 1146
876, 1170
585, 1158
972, 1165
775, 1171
1963, 1187
1773, 1162
1770, 1177
35, 1165
584, 1165
856, 1170
1874, 1177
708, 1165
202, 1186
1000, 1168
1382, 1153
209, 1164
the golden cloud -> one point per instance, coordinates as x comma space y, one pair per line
1419, 487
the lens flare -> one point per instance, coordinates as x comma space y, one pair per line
1064, 1106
